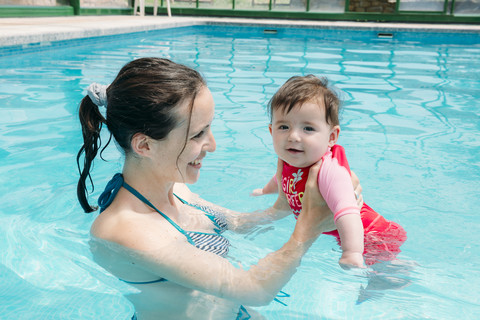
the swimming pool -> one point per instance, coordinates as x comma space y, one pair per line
410, 128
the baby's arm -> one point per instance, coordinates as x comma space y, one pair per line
350, 229
336, 187
270, 187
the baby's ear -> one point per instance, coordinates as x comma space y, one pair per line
334, 133
270, 128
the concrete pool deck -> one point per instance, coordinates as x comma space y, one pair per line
23, 31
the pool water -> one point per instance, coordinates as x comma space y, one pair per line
410, 128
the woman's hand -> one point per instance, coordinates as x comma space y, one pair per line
315, 217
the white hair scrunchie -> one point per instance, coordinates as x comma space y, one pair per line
98, 94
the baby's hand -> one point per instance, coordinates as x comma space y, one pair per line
270, 187
351, 260
257, 192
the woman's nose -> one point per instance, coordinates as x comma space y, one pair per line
211, 143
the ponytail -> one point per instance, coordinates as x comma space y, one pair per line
92, 121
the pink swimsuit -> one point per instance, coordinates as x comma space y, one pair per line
383, 238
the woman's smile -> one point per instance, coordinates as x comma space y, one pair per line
197, 163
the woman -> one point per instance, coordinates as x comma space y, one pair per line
153, 232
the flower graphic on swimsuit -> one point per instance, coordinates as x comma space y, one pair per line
296, 178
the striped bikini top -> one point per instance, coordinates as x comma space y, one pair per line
210, 242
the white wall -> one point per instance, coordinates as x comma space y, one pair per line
104, 3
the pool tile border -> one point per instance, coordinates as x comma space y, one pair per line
30, 33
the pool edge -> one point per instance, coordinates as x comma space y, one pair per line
25, 31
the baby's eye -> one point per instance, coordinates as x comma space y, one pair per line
283, 127
309, 129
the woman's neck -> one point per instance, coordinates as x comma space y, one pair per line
157, 190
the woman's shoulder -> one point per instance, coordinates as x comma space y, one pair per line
134, 230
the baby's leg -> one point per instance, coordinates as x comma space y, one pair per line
384, 244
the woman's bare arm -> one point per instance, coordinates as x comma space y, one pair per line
242, 222
165, 254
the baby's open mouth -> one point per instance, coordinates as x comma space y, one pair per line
292, 150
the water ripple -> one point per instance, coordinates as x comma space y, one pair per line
410, 127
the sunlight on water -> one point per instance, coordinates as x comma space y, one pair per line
410, 129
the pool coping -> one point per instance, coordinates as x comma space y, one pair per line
25, 31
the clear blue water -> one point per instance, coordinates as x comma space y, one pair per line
410, 127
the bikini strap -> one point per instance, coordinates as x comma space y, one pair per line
212, 215
111, 190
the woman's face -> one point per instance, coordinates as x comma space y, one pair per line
184, 166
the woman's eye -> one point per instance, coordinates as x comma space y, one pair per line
199, 135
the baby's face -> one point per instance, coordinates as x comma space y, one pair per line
302, 136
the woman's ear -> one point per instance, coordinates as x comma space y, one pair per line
141, 144
333, 138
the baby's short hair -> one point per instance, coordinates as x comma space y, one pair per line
299, 90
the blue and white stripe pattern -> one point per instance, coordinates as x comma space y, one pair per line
210, 242
217, 218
